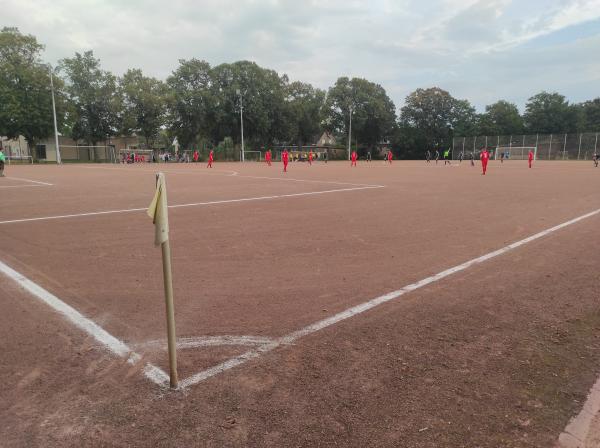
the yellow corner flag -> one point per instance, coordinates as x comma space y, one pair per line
158, 211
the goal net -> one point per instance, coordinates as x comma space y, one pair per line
514, 152
19, 159
252, 156
87, 154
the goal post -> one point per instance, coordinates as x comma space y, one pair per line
515, 152
253, 156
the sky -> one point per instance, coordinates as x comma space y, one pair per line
480, 50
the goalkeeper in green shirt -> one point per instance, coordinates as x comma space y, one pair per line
2, 159
447, 157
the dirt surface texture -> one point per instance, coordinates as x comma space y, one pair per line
375, 306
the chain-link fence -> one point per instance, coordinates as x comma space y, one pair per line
545, 146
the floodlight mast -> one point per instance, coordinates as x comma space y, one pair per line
350, 133
58, 158
238, 91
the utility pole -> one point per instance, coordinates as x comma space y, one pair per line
58, 158
350, 133
239, 92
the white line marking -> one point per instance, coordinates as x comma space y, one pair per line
237, 174
21, 186
76, 215
279, 196
363, 307
114, 345
231, 173
29, 180
208, 341
291, 179
156, 375
195, 204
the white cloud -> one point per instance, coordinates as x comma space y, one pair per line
468, 46
555, 19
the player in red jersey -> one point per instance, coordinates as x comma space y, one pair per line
530, 158
353, 158
268, 157
285, 158
310, 157
196, 155
211, 158
389, 156
485, 157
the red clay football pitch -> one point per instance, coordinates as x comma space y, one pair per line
405, 305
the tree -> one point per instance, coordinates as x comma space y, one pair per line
463, 119
25, 93
373, 112
96, 101
408, 141
434, 117
547, 113
204, 104
303, 118
144, 105
189, 101
263, 96
501, 118
590, 111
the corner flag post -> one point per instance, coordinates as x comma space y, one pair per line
168, 281
159, 213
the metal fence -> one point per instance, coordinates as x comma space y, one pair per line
548, 146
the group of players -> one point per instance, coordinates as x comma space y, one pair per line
484, 156
133, 157
285, 158
436, 157
211, 158
354, 157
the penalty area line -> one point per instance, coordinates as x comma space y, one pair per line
114, 345
193, 204
315, 181
46, 184
366, 306
21, 186
231, 173
226, 173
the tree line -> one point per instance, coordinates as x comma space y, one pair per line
200, 106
